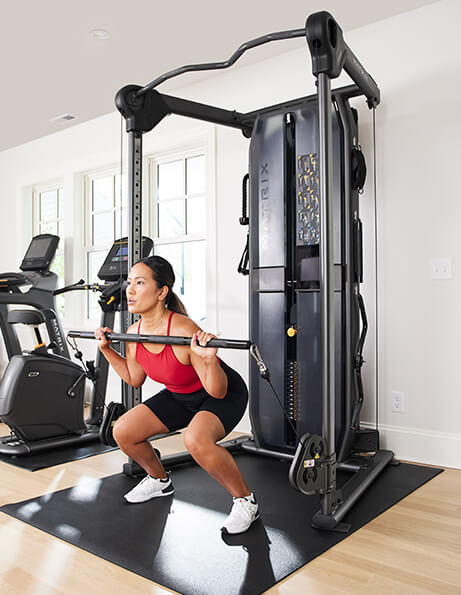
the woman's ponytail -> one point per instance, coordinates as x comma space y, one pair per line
174, 304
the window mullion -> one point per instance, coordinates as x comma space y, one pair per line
103, 204
42, 225
186, 251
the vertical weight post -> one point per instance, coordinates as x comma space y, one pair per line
327, 281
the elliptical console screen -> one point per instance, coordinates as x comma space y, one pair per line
121, 254
37, 249
116, 264
40, 253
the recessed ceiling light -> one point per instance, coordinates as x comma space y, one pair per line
63, 118
100, 34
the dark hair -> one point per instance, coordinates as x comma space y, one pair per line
163, 274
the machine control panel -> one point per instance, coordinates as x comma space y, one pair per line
116, 263
40, 253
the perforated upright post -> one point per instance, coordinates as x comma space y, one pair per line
133, 396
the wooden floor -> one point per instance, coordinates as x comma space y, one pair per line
415, 547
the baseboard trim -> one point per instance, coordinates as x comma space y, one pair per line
420, 446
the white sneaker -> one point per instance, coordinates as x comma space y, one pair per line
149, 488
244, 512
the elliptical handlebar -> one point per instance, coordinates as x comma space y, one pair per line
162, 340
81, 286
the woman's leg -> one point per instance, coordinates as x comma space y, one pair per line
200, 439
131, 432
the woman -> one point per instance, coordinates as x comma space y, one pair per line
202, 394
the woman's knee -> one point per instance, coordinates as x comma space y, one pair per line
137, 425
122, 433
126, 430
196, 444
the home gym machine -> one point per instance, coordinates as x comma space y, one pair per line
305, 266
42, 392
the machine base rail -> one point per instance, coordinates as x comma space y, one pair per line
352, 490
250, 446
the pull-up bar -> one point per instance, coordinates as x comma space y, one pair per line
280, 35
329, 52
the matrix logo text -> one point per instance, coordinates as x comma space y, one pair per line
265, 206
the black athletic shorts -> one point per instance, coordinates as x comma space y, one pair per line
176, 410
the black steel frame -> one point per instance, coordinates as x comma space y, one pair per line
143, 108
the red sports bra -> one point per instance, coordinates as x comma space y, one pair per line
164, 367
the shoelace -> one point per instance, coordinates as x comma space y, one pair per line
240, 507
146, 479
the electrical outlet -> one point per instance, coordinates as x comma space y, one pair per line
398, 402
441, 268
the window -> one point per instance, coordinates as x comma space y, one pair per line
179, 201
48, 210
106, 221
178, 224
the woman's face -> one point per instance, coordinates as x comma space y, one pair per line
142, 292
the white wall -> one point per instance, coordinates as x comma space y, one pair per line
416, 61
419, 212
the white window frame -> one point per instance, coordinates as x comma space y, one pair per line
37, 190
88, 247
30, 222
200, 145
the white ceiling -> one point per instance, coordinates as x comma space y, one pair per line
52, 66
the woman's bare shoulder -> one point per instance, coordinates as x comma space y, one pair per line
133, 329
131, 347
183, 326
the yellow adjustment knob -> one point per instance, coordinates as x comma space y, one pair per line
291, 332
110, 300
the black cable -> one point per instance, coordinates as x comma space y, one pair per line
243, 264
284, 410
121, 215
265, 373
376, 274
79, 356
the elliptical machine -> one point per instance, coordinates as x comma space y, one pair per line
42, 395
34, 286
42, 392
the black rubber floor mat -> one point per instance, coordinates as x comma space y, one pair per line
176, 541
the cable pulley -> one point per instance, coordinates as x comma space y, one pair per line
308, 471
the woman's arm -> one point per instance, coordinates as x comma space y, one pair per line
207, 365
129, 370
